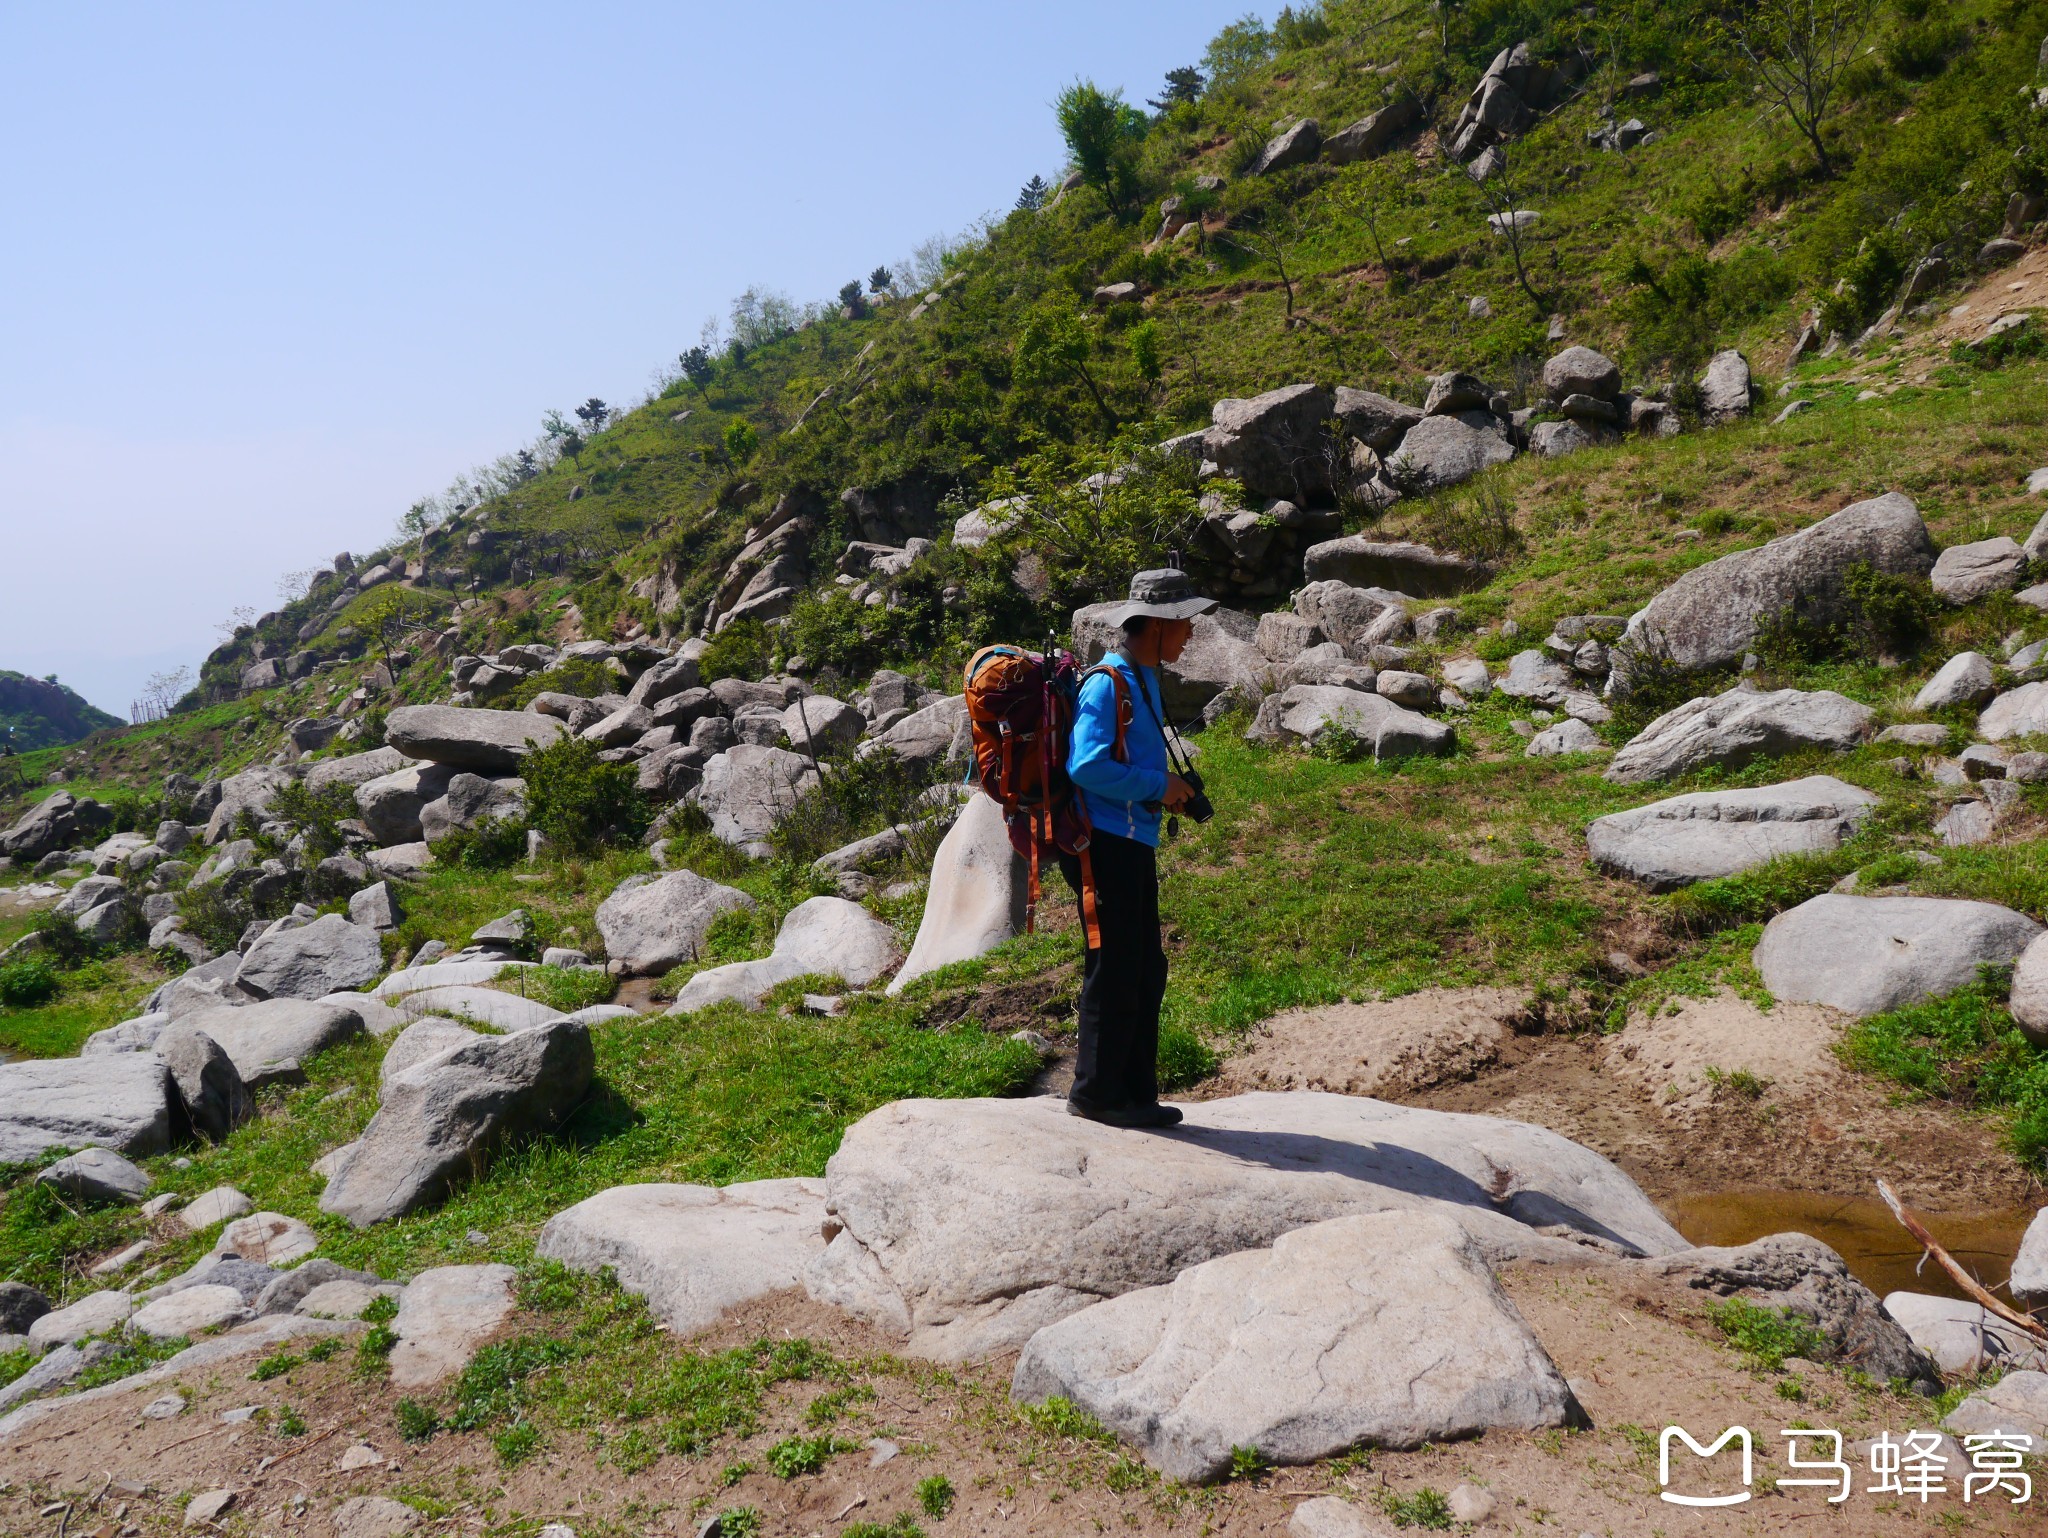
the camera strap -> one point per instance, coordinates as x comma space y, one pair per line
1176, 757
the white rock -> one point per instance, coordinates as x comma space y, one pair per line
1570, 735
823, 936
1672, 843
2021, 712
748, 789
1865, 955
1967, 572
94, 1314
971, 1223
1963, 1337
211, 1207
208, 1507
343, 1299
1303, 712
694, 1252
96, 1175
122, 1102
1965, 679
1327, 1516
274, 1039
374, 1516
1732, 729
1469, 677
2017, 1402
1383, 1330
323, 957
378, 1017
491, 1007
445, 1315
976, 900
1471, 1503
2030, 1269
189, 1311
653, 923
268, 1238
445, 974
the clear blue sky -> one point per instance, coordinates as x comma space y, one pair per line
272, 271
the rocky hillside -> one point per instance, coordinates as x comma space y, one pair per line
548, 997
42, 713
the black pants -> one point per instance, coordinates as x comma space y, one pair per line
1124, 980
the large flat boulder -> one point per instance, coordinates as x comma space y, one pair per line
1865, 955
273, 1039
1381, 1330
653, 923
329, 955
444, 1315
1441, 451
822, 936
1303, 712
493, 1007
483, 741
976, 897
933, 734
748, 789
356, 769
1734, 728
1401, 565
694, 1253
59, 821
1673, 843
970, 1224
1708, 618
122, 1102
2018, 1402
438, 1123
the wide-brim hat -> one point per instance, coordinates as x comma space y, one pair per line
1163, 594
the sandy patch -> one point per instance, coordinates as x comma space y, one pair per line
1386, 1048
1688, 1055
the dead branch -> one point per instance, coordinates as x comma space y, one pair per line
1948, 1263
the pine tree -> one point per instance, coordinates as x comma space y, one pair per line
1033, 197
880, 280
1182, 85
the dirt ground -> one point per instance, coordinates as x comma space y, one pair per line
1636, 1351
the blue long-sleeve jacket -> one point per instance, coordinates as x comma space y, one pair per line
1114, 793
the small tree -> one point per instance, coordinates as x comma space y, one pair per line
162, 691
1273, 242
390, 614
524, 466
1102, 131
1034, 195
1501, 195
1145, 351
1237, 50
1054, 346
850, 299
1183, 88
741, 440
1798, 50
696, 366
594, 413
881, 280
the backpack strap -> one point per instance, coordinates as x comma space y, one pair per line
1125, 714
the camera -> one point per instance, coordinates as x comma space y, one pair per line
1199, 807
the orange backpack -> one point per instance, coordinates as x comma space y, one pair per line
1021, 707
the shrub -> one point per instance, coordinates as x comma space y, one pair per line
28, 983
740, 650
416, 1422
209, 914
1184, 1058
854, 798
1767, 1335
579, 676
1426, 1508
316, 815
1878, 618
578, 802
793, 1456
492, 844
935, 1495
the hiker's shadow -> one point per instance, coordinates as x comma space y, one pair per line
1395, 1168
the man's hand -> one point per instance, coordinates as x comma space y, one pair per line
1178, 793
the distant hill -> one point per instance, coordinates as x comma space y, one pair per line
45, 714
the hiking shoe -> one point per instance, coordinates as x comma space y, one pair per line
1158, 1115
1127, 1116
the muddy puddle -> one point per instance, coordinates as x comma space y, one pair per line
1880, 1254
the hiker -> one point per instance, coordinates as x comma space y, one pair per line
1116, 1071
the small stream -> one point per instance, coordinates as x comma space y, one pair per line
1863, 1232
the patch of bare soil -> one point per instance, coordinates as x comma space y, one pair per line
1386, 1048
1638, 1352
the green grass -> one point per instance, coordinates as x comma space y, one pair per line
1766, 1336
1965, 1050
1425, 1508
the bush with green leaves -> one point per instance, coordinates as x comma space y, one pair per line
1876, 617
27, 983
578, 802
493, 844
741, 650
854, 798
936, 1495
315, 815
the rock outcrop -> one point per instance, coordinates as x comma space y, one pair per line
652, 923
1305, 712
1673, 843
481, 741
1381, 1330
970, 1224
824, 936
1865, 955
123, 1102
976, 897
1708, 618
1734, 728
